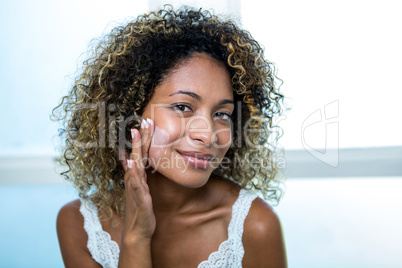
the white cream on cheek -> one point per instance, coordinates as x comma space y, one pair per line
161, 137
159, 141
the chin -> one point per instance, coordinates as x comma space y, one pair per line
187, 179
178, 170
191, 182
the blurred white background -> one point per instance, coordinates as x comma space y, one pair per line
340, 62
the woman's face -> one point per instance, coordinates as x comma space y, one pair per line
191, 110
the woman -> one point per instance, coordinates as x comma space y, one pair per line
163, 129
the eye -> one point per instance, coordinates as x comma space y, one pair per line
181, 108
224, 116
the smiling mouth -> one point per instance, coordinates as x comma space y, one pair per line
201, 161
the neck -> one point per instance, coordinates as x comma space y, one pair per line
170, 197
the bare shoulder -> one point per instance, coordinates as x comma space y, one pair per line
70, 209
73, 237
70, 219
263, 238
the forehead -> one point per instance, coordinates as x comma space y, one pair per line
200, 74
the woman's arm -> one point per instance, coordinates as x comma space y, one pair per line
139, 221
263, 241
73, 239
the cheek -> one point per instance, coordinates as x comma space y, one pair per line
160, 138
159, 143
166, 135
224, 137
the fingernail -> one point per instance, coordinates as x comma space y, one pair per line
132, 133
146, 123
149, 121
142, 123
129, 163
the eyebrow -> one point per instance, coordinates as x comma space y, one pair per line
198, 97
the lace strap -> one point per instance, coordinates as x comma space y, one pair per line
103, 249
236, 226
231, 251
90, 212
240, 211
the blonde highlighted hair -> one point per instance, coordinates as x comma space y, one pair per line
119, 79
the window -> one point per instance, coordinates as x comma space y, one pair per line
340, 62
40, 51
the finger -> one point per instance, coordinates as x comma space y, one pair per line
146, 137
136, 152
134, 182
123, 156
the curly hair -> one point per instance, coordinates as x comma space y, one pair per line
119, 79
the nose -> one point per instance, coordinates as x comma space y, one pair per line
201, 131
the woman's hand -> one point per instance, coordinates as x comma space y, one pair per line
139, 222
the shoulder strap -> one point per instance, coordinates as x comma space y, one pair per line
102, 248
91, 225
231, 251
240, 210
90, 213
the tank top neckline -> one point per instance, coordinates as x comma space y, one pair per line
231, 232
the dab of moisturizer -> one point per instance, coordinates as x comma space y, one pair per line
161, 137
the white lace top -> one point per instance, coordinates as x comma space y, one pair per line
230, 253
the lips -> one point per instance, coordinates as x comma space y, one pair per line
198, 155
197, 159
